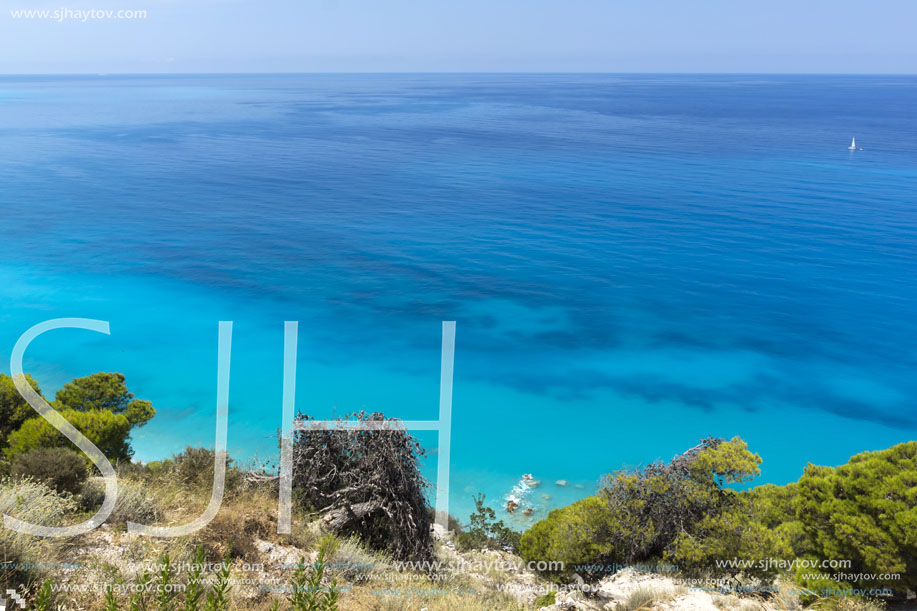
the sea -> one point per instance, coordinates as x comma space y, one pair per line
633, 262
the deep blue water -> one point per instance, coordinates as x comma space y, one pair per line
633, 262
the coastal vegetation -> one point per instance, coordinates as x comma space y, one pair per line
366, 484
363, 535
860, 517
484, 531
100, 407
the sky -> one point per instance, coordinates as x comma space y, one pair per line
204, 36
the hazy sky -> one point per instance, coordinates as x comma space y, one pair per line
854, 36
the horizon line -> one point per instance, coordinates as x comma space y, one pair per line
454, 72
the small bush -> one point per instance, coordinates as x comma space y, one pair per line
232, 534
194, 594
43, 600
193, 465
218, 597
127, 468
194, 468
486, 532
134, 503
545, 600
91, 494
60, 468
307, 590
159, 468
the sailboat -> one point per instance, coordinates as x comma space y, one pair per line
853, 145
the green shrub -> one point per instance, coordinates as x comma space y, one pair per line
486, 532
218, 597
13, 408
43, 600
194, 593
545, 600
107, 430
130, 469
579, 535
306, 590
194, 468
660, 502
158, 468
92, 494
60, 468
639, 515
140, 598
165, 597
865, 512
111, 601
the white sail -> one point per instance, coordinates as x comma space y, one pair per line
853, 144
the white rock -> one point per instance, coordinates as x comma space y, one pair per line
441, 533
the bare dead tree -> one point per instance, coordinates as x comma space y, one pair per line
366, 483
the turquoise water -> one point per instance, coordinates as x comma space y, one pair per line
633, 262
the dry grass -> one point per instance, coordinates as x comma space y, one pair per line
848, 604
112, 556
37, 504
33, 502
644, 598
456, 594
232, 533
786, 598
